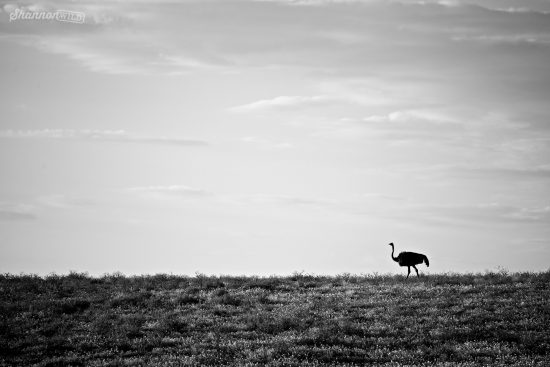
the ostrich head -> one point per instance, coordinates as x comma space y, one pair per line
390, 244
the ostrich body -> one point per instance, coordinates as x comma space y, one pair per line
409, 259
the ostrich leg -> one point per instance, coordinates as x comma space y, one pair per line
416, 271
409, 273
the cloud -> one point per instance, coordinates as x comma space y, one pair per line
413, 123
116, 38
481, 214
181, 37
510, 39
166, 192
381, 206
119, 55
502, 173
411, 116
398, 126
169, 192
293, 200
16, 212
63, 201
315, 2
337, 2
265, 143
521, 10
287, 102
288, 204
293, 203
491, 139
489, 173
408, 211
120, 136
169, 37
384, 197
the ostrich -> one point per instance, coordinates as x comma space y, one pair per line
409, 259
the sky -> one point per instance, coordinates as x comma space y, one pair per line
273, 137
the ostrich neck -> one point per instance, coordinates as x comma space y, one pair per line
394, 258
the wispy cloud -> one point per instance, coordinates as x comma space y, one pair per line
16, 212
502, 173
63, 201
521, 10
493, 138
265, 143
510, 39
482, 214
412, 116
487, 172
287, 102
413, 123
397, 208
120, 136
118, 55
336, 2
314, 2
117, 38
287, 200
169, 192
382, 196
398, 126
181, 37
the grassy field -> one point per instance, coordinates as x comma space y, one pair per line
300, 320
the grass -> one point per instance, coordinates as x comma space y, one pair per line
300, 320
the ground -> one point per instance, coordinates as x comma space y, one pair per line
299, 320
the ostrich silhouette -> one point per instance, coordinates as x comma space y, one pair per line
409, 259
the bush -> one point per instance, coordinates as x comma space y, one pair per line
73, 305
187, 299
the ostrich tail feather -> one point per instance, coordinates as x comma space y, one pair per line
426, 261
